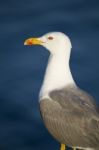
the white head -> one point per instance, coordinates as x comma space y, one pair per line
53, 41
56, 76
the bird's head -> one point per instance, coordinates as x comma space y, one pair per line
53, 41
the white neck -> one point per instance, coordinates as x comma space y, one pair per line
57, 74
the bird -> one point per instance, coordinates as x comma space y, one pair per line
69, 113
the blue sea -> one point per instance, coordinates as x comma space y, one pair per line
22, 68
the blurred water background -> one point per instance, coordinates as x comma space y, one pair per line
22, 68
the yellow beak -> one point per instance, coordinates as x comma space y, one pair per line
33, 41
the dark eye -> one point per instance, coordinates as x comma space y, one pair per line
50, 38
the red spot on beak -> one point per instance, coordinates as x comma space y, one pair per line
29, 42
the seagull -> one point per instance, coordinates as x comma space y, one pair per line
69, 113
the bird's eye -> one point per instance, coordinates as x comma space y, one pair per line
50, 38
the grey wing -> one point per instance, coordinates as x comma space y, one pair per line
75, 99
71, 117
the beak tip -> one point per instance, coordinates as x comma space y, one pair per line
25, 43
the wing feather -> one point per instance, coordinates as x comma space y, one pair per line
71, 116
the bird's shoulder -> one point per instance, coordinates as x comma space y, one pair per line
74, 98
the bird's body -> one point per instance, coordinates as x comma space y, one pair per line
70, 116
68, 112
